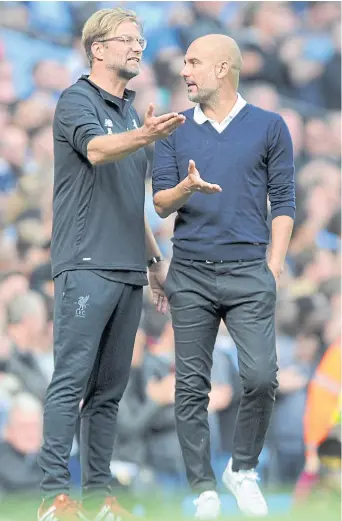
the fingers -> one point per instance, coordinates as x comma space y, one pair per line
208, 188
150, 111
167, 129
155, 299
160, 302
214, 189
169, 117
192, 166
174, 127
171, 124
162, 126
164, 306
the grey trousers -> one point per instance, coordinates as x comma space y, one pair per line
95, 324
243, 294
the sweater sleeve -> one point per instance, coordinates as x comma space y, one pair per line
281, 183
165, 170
77, 121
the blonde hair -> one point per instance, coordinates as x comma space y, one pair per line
101, 23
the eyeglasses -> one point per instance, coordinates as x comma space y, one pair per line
127, 40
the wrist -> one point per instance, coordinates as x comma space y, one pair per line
276, 266
276, 262
154, 262
143, 136
187, 186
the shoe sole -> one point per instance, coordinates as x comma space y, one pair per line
210, 518
232, 491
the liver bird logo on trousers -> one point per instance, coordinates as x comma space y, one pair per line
82, 305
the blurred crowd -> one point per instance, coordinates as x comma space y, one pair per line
292, 65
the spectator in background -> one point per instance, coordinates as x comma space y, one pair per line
264, 96
42, 149
322, 423
26, 326
9, 387
318, 190
224, 399
266, 25
51, 77
19, 450
77, 61
330, 80
205, 20
334, 123
163, 446
34, 112
142, 405
12, 284
296, 360
14, 149
32, 243
226, 364
308, 52
7, 88
316, 130
295, 124
4, 117
41, 281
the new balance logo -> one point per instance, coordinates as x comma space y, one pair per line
109, 125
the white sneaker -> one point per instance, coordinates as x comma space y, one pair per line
208, 506
243, 485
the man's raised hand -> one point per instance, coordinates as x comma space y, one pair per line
159, 127
196, 184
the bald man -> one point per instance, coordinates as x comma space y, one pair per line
216, 172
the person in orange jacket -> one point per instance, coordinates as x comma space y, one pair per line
322, 415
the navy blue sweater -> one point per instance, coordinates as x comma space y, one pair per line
251, 158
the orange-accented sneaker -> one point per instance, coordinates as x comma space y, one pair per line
111, 511
62, 509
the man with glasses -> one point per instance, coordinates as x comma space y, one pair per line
101, 245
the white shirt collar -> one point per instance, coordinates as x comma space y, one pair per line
200, 117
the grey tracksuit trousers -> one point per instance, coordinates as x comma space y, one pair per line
95, 324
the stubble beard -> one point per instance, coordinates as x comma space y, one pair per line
202, 96
123, 73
